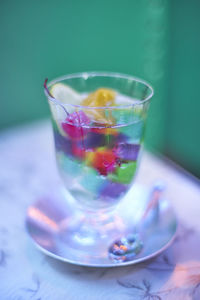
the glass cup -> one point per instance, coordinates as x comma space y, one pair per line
98, 149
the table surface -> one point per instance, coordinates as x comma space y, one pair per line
27, 170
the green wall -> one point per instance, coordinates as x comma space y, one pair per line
144, 38
183, 112
51, 38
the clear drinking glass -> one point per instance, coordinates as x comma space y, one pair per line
98, 149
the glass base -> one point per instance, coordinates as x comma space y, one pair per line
93, 232
126, 248
103, 239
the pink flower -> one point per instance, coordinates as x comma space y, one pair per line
76, 124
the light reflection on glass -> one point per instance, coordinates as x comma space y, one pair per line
38, 216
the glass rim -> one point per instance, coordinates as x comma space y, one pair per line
88, 74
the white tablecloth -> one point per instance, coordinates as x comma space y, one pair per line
27, 169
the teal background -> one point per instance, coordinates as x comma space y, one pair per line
152, 39
183, 110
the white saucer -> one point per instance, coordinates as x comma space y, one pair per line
47, 217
